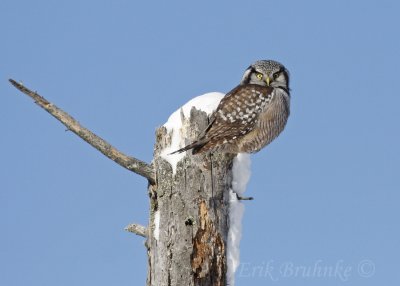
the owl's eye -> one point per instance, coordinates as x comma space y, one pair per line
259, 76
276, 75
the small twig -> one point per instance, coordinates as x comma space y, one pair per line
137, 229
132, 164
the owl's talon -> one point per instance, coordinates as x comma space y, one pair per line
240, 198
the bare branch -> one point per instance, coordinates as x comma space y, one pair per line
132, 164
137, 229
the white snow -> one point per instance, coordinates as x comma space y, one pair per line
208, 103
241, 175
156, 232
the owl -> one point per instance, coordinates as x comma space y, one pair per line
251, 115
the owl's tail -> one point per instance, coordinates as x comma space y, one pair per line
195, 146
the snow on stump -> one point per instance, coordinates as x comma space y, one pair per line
195, 218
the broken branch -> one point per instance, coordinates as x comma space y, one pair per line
137, 229
132, 164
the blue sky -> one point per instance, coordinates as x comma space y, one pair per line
326, 192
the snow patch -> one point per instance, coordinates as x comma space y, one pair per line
208, 103
156, 232
241, 176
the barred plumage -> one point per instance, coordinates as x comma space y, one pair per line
251, 115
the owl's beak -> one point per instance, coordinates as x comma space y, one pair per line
268, 80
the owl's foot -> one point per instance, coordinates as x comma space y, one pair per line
240, 198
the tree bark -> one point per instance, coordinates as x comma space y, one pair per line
189, 214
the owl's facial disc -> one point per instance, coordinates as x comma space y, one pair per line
267, 73
260, 77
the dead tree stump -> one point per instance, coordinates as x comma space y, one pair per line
189, 213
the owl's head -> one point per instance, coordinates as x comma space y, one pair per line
267, 73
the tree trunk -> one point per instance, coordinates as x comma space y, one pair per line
189, 213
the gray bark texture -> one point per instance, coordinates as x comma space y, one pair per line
193, 206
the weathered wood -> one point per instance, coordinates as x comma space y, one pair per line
137, 229
132, 164
187, 246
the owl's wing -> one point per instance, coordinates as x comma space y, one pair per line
235, 116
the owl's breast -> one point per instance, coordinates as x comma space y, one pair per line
270, 123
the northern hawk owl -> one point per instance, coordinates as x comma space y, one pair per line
251, 115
